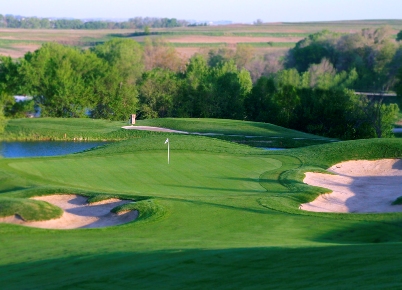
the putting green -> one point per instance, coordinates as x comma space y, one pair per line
147, 173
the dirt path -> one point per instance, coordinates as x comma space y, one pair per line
78, 213
358, 187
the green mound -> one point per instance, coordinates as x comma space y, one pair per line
147, 209
28, 209
222, 126
327, 155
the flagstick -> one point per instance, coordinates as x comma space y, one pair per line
168, 153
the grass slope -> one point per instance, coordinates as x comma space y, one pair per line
244, 132
221, 215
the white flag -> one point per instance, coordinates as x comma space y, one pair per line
167, 140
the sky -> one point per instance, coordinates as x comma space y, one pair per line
237, 11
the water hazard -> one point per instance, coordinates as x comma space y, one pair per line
44, 148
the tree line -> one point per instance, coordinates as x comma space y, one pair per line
120, 77
11, 21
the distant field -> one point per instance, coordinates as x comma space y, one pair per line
189, 40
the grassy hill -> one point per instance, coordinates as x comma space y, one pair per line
222, 214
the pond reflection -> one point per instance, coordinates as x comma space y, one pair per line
44, 148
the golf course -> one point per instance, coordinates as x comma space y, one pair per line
223, 213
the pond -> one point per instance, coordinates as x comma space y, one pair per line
44, 148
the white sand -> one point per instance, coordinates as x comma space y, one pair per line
358, 187
78, 213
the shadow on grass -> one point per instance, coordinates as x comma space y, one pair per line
220, 205
332, 267
228, 190
12, 188
373, 232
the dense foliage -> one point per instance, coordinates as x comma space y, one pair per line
120, 77
372, 53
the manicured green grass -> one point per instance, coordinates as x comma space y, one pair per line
227, 127
249, 133
221, 215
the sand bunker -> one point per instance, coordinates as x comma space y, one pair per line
78, 213
358, 187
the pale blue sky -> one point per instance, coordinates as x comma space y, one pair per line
245, 11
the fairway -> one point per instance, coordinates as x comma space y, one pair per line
221, 214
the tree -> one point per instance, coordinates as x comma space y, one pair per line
383, 59
322, 74
259, 105
243, 56
191, 103
312, 50
258, 22
112, 98
62, 79
398, 87
379, 116
3, 121
147, 30
232, 88
399, 36
288, 77
328, 112
124, 54
10, 82
286, 99
370, 52
220, 55
157, 92
160, 54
